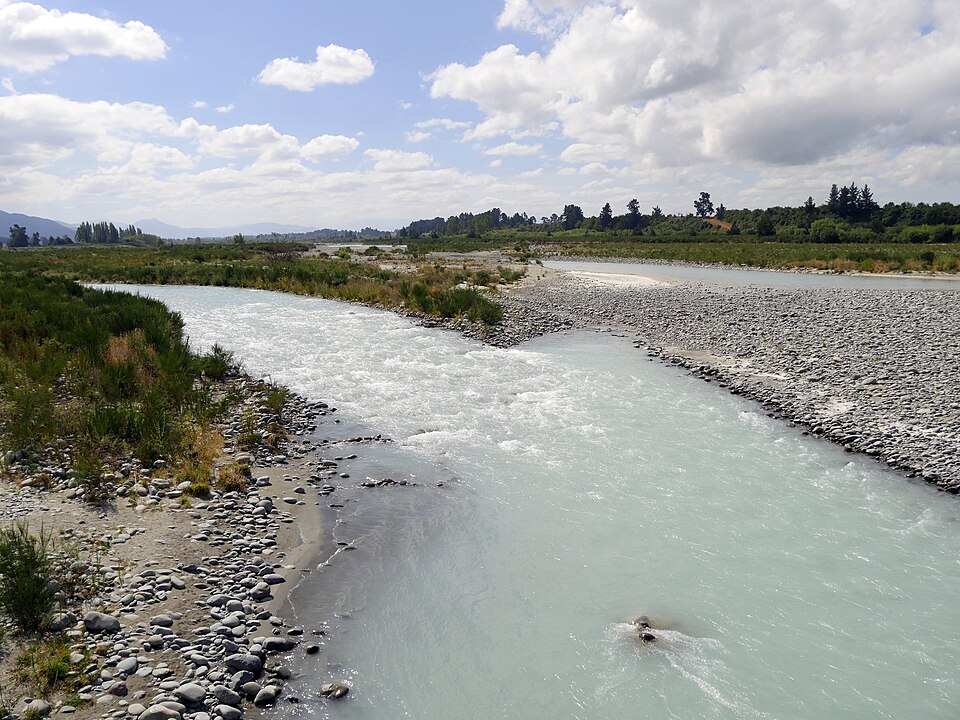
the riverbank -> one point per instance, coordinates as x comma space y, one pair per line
873, 370
185, 600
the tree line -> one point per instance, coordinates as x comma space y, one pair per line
847, 214
87, 233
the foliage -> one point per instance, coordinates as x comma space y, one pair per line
45, 667
232, 478
108, 373
268, 266
27, 594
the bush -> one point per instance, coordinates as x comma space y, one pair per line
824, 231
233, 478
27, 592
218, 363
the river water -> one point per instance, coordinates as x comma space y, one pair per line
583, 486
738, 277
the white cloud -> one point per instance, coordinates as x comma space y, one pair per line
496, 163
417, 136
224, 109
7, 84
333, 65
329, 147
250, 140
199, 104
690, 84
404, 105
33, 38
37, 129
390, 161
444, 123
514, 149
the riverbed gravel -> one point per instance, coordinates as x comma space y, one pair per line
876, 371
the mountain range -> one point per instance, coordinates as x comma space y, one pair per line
45, 227
151, 226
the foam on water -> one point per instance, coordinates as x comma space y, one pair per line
589, 486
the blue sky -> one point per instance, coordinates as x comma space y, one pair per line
376, 113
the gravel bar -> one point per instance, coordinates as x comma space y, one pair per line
876, 371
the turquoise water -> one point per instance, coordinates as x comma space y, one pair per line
585, 485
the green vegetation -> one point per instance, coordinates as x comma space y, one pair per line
27, 591
268, 266
45, 667
849, 257
98, 375
850, 231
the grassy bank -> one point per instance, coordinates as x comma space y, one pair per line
857, 257
387, 281
96, 375
716, 248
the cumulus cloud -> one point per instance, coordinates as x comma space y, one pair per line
329, 147
398, 161
39, 129
333, 65
678, 84
224, 109
515, 149
250, 140
199, 104
33, 38
417, 136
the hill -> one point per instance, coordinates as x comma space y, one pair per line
164, 230
44, 226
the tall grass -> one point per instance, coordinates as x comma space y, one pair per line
27, 594
106, 373
278, 266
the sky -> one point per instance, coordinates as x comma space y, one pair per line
376, 112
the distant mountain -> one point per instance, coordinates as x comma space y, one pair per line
157, 227
45, 227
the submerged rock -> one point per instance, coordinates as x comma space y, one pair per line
334, 690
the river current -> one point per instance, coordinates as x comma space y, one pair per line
584, 485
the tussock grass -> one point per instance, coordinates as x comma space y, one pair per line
27, 590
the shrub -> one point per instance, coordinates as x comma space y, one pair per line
824, 230
218, 363
27, 592
232, 478
276, 398
45, 667
249, 436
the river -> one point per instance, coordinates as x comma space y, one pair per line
584, 485
744, 277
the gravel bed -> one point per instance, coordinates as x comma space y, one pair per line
877, 371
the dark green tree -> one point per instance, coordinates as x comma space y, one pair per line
810, 206
84, 233
572, 217
765, 227
721, 212
606, 217
867, 206
703, 206
833, 200
18, 237
633, 213
656, 215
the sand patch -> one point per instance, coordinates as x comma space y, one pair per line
621, 279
